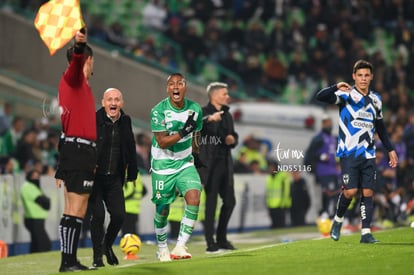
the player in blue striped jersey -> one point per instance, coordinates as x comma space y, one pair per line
360, 112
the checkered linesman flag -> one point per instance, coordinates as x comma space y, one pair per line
57, 22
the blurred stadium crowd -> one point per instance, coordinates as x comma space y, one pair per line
278, 48
274, 50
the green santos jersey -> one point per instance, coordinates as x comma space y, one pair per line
166, 118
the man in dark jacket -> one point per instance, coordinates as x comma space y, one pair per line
116, 164
217, 139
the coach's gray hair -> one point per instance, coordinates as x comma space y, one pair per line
215, 86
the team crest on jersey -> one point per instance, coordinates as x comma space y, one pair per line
356, 97
158, 195
345, 179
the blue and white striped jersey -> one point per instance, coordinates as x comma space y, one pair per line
358, 114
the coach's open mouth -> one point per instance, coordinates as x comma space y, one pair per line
113, 110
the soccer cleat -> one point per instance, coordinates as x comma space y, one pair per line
180, 252
76, 267
98, 262
336, 230
110, 256
226, 246
163, 255
368, 238
212, 249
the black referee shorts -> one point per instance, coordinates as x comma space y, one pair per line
77, 163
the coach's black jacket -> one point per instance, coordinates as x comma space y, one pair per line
212, 142
128, 159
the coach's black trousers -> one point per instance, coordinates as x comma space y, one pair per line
130, 224
219, 184
107, 192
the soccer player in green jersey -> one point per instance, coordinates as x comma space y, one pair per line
175, 123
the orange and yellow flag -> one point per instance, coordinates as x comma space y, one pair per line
57, 22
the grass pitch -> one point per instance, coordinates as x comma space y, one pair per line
287, 251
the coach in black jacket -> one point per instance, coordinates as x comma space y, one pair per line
217, 139
116, 164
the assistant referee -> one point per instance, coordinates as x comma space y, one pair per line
77, 148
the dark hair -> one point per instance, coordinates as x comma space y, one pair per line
31, 175
175, 74
86, 52
28, 131
17, 119
362, 64
3, 163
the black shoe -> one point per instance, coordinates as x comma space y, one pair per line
226, 245
110, 256
98, 262
76, 267
368, 238
335, 230
212, 248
